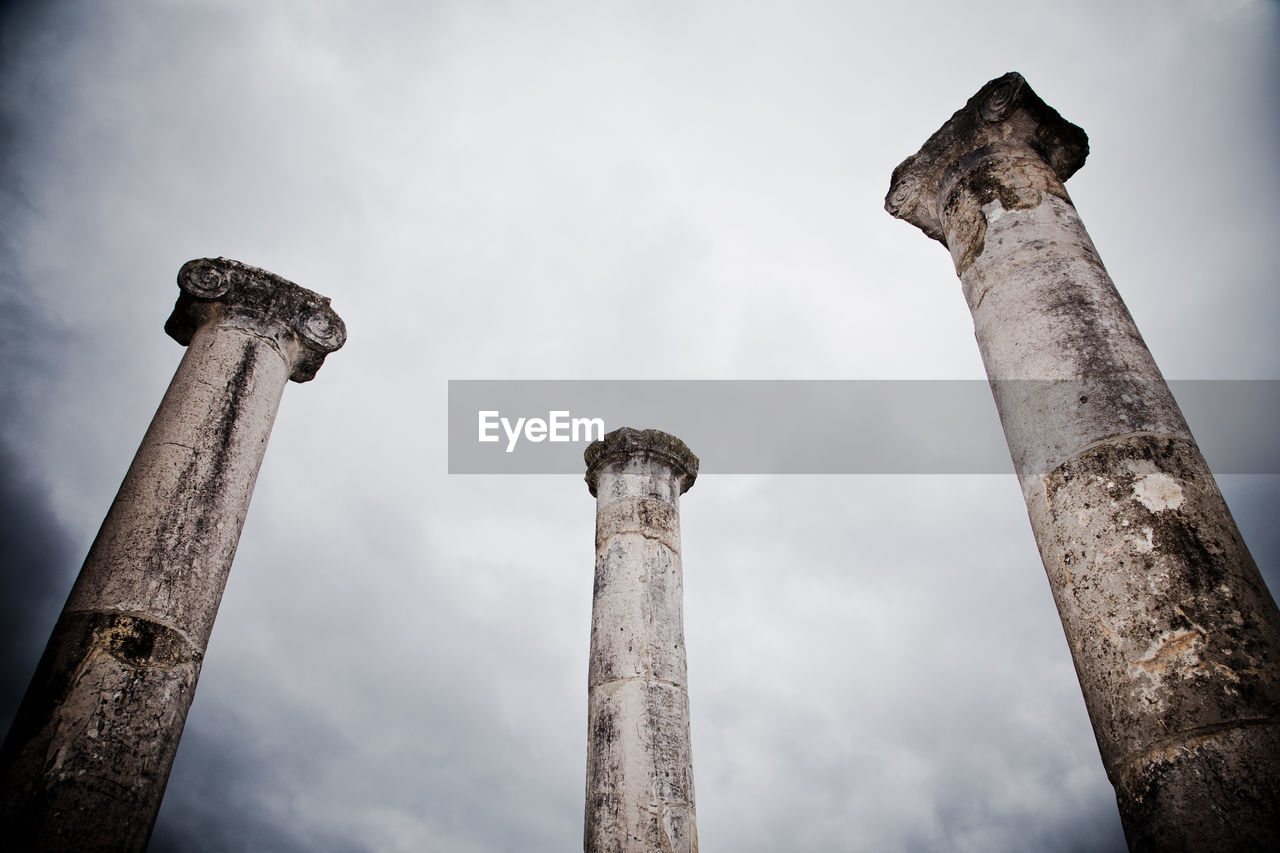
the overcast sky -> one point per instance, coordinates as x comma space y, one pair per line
610, 190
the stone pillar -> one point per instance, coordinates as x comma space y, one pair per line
639, 764
85, 763
1175, 637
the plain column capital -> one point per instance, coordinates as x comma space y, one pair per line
625, 444
298, 322
1004, 120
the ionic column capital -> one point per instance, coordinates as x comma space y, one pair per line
1004, 120
626, 442
301, 323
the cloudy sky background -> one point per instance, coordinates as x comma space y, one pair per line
615, 190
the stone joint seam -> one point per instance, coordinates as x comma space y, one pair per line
651, 535
1132, 763
1112, 439
196, 651
644, 679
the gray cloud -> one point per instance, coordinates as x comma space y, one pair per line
563, 192
38, 564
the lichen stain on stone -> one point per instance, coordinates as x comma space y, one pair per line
239, 387
141, 643
1177, 652
1158, 492
192, 519
986, 193
605, 729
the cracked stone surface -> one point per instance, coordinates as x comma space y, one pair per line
86, 761
639, 795
1175, 638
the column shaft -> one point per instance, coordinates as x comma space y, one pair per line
1175, 638
639, 795
86, 761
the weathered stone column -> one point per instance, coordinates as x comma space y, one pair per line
1175, 637
639, 764
85, 763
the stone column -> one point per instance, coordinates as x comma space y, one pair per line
639, 765
1175, 637
85, 763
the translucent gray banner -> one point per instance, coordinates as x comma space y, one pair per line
831, 427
